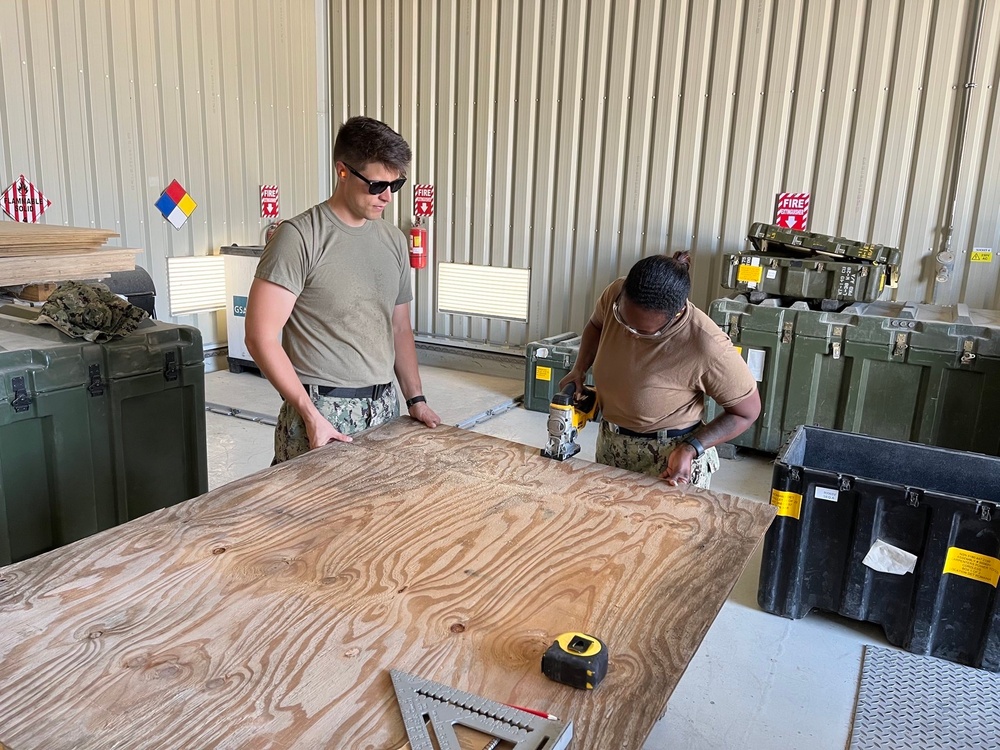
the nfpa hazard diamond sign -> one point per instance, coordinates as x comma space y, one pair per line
22, 201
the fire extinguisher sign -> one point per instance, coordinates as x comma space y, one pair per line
423, 200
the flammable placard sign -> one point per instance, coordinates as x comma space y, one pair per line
22, 201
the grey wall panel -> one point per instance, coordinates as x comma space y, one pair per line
575, 136
103, 102
979, 193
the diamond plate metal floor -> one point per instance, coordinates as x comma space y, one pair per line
920, 702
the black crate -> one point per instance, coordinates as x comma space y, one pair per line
837, 493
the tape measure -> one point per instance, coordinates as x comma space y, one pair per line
576, 659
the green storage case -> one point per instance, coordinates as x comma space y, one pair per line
764, 335
921, 373
93, 435
55, 469
547, 361
771, 237
803, 278
157, 378
903, 371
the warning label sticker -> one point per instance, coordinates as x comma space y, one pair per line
543, 373
788, 503
962, 562
749, 274
981, 255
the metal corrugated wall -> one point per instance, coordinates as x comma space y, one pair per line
575, 136
104, 102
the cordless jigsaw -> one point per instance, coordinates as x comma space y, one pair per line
567, 416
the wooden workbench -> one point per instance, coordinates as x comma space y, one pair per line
267, 613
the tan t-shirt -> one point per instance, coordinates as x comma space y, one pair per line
347, 280
660, 384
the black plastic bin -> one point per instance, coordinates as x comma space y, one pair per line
837, 493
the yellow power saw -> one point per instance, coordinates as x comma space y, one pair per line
567, 416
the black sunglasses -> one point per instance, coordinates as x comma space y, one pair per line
377, 187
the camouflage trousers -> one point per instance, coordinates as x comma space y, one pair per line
649, 455
348, 415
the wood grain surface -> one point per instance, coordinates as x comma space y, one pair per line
36, 269
20, 238
267, 613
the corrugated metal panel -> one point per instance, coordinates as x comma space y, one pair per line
104, 102
575, 136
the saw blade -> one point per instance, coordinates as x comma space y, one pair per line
423, 701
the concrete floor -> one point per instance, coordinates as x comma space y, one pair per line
757, 681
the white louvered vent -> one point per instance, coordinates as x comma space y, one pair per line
197, 284
488, 291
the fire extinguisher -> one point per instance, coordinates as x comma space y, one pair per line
418, 244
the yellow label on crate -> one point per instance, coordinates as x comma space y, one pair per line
982, 256
962, 562
739, 350
788, 503
749, 273
543, 373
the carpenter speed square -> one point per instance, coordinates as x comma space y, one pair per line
422, 701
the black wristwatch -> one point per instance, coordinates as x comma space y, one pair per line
411, 402
695, 443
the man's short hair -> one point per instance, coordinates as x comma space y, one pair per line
362, 141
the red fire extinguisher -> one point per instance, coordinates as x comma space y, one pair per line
418, 244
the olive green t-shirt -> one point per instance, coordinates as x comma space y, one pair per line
660, 384
347, 281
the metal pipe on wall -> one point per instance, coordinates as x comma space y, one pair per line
945, 257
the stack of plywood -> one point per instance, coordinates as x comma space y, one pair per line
37, 253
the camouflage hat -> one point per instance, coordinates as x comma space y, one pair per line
90, 311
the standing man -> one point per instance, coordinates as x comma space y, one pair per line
328, 315
655, 357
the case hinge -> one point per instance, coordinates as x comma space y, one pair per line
968, 351
899, 345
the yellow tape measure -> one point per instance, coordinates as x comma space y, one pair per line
576, 659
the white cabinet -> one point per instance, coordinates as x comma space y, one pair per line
241, 264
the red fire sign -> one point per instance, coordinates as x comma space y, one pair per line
792, 210
423, 200
269, 201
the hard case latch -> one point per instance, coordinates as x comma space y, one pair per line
21, 401
96, 385
170, 366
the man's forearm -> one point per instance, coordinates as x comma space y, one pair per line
277, 368
405, 366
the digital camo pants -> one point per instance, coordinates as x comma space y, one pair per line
649, 455
348, 415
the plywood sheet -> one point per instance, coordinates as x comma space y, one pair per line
267, 613
37, 269
18, 238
